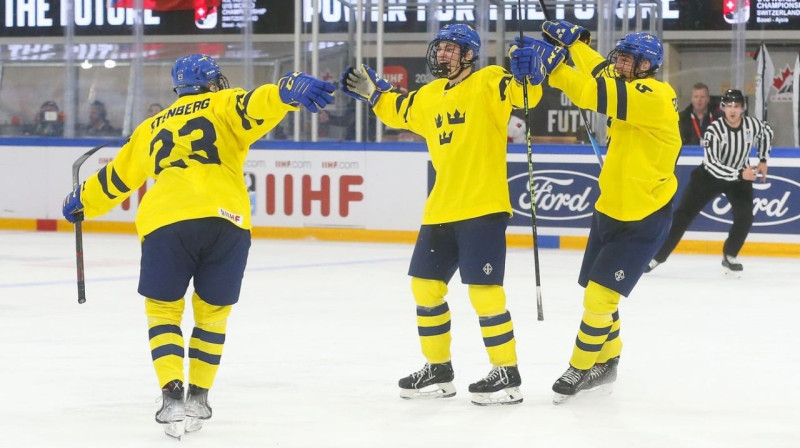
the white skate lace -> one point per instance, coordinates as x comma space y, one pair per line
732, 260
597, 371
572, 376
497, 372
421, 373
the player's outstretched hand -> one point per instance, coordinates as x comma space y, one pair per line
551, 55
565, 33
527, 64
299, 88
362, 83
72, 207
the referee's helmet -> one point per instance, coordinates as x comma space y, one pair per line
732, 96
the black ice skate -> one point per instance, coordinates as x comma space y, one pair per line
432, 381
652, 265
571, 382
501, 386
603, 375
172, 412
732, 266
198, 408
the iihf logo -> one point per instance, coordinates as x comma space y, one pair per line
619, 275
487, 269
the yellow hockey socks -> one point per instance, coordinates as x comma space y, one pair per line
433, 319
613, 345
599, 304
166, 338
207, 341
497, 329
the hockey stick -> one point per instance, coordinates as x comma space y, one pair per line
585, 121
529, 151
76, 167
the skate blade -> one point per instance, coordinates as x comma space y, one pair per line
174, 429
732, 274
441, 390
511, 395
561, 398
603, 389
193, 424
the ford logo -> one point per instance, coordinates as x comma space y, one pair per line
774, 203
561, 195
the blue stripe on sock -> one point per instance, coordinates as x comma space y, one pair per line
588, 347
166, 350
205, 357
434, 331
208, 336
491, 321
501, 339
163, 329
432, 312
594, 331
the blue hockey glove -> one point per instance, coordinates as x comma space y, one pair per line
525, 42
73, 207
565, 33
526, 63
551, 55
364, 84
298, 88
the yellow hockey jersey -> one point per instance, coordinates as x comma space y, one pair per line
195, 150
638, 176
465, 127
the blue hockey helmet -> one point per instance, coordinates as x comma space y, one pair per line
643, 47
195, 73
462, 35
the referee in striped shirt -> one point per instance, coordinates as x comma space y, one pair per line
725, 169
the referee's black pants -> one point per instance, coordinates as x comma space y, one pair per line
702, 188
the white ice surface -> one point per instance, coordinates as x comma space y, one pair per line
324, 330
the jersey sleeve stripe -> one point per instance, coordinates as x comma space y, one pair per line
410, 103
600, 67
602, 96
102, 176
118, 183
399, 102
622, 99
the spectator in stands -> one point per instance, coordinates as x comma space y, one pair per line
98, 124
49, 122
697, 116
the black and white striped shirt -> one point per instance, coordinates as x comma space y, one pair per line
727, 149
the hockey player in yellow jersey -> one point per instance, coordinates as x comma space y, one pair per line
637, 182
194, 223
463, 116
